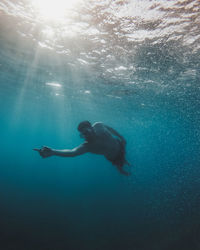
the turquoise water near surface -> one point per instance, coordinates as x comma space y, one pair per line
137, 72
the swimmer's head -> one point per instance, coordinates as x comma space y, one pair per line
84, 124
86, 130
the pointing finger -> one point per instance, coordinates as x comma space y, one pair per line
37, 149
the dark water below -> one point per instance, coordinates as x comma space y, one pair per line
133, 65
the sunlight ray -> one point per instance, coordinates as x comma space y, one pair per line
53, 10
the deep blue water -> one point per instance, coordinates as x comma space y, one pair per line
137, 72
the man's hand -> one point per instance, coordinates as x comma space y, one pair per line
44, 151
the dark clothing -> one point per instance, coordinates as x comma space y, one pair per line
120, 160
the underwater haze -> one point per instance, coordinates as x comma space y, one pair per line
131, 64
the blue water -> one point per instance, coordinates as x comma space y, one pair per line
136, 71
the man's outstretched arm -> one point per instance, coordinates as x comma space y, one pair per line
47, 152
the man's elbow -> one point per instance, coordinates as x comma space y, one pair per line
77, 152
73, 153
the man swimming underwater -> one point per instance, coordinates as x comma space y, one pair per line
99, 139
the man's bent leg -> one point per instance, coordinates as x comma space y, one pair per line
122, 171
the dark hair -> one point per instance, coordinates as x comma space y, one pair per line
83, 125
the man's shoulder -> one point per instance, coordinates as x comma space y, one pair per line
100, 128
98, 124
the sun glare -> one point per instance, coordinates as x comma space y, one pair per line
53, 10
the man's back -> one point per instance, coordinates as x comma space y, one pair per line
104, 142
